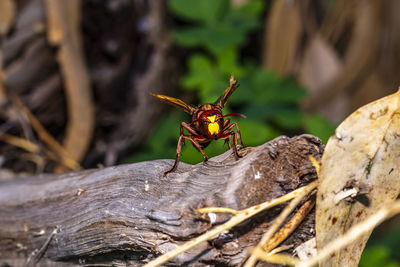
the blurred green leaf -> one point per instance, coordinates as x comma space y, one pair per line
216, 38
207, 11
167, 130
255, 133
245, 94
222, 28
259, 87
250, 9
289, 118
261, 112
227, 62
190, 36
191, 155
205, 77
223, 37
163, 139
377, 256
389, 239
272, 88
201, 74
319, 126
213, 94
245, 17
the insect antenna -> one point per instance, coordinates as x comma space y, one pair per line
233, 114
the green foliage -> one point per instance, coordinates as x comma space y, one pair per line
216, 31
319, 126
218, 26
382, 251
377, 256
206, 11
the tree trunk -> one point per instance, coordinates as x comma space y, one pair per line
129, 214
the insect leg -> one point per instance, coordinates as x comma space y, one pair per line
187, 127
226, 134
227, 142
226, 124
237, 131
235, 144
178, 152
181, 141
194, 140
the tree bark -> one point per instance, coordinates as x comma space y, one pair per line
129, 214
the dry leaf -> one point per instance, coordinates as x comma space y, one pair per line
359, 174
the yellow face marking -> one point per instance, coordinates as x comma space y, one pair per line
213, 126
212, 118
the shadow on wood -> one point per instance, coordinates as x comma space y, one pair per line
129, 214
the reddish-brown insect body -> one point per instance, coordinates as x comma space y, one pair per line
207, 123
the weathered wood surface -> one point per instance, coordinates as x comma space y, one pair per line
129, 214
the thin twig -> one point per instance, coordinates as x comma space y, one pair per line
38, 254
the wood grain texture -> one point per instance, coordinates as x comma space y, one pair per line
129, 214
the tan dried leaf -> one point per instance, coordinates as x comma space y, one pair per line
360, 166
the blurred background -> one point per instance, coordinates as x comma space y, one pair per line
75, 77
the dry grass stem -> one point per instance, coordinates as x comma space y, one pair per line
279, 249
315, 163
217, 210
19, 142
44, 135
279, 259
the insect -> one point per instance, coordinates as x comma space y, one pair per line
207, 123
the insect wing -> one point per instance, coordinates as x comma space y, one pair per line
227, 93
175, 102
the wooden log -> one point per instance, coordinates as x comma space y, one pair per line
129, 214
